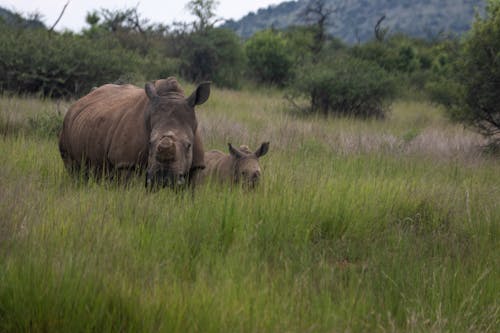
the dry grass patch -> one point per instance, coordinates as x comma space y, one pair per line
412, 129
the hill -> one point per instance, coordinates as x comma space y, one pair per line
354, 20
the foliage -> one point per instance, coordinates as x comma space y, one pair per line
269, 57
215, 54
479, 73
317, 14
134, 33
346, 86
301, 45
196, 50
300, 42
204, 10
35, 61
156, 65
120, 45
419, 66
446, 92
397, 54
435, 76
128, 28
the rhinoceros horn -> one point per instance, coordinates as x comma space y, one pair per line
166, 149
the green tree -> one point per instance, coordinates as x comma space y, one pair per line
204, 10
126, 26
269, 57
215, 54
300, 44
396, 54
207, 52
480, 75
318, 15
55, 65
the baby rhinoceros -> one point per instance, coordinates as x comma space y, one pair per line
239, 166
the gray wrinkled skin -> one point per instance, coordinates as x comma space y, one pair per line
118, 129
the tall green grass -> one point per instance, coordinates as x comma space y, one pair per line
358, 226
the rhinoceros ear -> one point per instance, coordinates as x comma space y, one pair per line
235, 152
200, 95
151, 91
264, 147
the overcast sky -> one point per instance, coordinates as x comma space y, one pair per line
157, 11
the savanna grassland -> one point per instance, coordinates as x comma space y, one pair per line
358, 226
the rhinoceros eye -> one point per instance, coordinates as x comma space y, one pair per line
187, 145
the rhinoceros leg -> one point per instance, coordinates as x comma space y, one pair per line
73, 166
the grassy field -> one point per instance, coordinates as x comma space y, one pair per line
358, 226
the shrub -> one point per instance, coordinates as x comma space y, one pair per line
269, 58
380, 53
299, 41
156, 65
215, 54
399, 54
35, 61
446, 92
346, 86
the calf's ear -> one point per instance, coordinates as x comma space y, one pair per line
235, 152
264, 147
200, 95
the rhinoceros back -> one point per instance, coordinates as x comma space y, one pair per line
106, 128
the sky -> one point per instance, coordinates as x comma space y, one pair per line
157, 11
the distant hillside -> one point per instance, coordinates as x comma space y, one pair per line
17, 20
354, 20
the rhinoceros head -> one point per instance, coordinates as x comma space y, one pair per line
172, 124
246, 167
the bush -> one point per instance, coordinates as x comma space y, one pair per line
396, 55
269, 58
157, 65
445, 92
346, 86
215, 54
380, 53
54, 65
299, 41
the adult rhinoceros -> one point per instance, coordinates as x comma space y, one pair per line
118, 128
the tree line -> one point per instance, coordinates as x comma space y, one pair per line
317, 72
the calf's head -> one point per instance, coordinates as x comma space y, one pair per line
171, 122
246, 164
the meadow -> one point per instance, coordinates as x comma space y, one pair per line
358, 226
